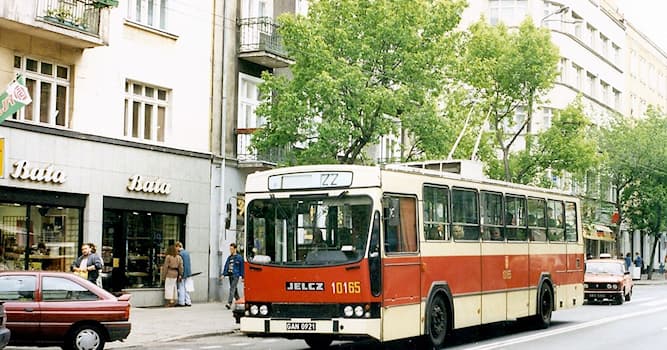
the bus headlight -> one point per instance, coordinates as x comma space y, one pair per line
254, 310
263, 310
585, 285
358, 311
348, 311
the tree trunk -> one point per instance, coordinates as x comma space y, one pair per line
654, 234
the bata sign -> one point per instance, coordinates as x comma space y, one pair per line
23, 171
140, 183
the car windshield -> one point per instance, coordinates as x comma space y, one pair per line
604, 268
308, 231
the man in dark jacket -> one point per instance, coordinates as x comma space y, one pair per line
234, 270
87, 265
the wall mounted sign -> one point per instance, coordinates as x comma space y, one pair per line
140, 183
24, 171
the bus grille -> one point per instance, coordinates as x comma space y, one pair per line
305, 310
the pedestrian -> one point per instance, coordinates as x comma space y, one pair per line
638, 261
171, 274
87, 265
628, 261
234, 270
184, 285
93, 250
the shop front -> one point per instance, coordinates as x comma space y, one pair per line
60, 189
599, 239
39, 230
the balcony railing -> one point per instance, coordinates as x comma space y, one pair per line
246, 155
80, 15
261, 43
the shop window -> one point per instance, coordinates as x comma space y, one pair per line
134, 245
38, 237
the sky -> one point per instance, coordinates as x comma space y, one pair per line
649, 16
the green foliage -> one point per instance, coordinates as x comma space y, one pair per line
567, 146
361, 67
508, 69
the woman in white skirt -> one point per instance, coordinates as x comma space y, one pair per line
172, 272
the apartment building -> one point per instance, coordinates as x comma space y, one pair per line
115, 147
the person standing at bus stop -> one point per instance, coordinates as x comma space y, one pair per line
234, 270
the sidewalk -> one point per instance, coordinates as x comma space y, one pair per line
161, 324
656, 278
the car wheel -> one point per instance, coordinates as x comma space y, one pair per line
629, 295
86, 337
619, 299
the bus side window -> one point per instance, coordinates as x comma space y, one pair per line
465, 213
555, 221
537, 220
571, 222
400, 224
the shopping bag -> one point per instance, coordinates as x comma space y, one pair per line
189, 285
83, 274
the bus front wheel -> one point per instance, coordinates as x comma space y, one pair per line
320, 342
437, 322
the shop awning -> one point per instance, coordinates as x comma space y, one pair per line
599, 232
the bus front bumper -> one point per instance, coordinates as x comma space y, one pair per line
338, 328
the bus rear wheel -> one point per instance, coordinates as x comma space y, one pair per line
319, 342
437, 322
544, 308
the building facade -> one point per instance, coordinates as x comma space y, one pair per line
114, 149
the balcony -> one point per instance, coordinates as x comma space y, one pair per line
250, 159
261, 44
74, 23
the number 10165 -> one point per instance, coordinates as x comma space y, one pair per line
346, 287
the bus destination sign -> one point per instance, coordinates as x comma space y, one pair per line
319, 179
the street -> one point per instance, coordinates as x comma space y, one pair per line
641, 322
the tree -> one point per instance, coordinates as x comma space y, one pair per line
566, 146
641, 162
363, 68
508, 69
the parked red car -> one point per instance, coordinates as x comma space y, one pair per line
46, 308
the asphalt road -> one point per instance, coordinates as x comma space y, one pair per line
640, 324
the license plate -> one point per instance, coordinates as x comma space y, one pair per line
301, 326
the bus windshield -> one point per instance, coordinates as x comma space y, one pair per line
308, 230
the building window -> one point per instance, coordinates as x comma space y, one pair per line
48, 84
146, 109
249, 99
604, 87
591, 32
604, 45
563, 67
152, 13
578, 25
590, 85
617, 53
507, 11
617, 99
579, 77
47, 234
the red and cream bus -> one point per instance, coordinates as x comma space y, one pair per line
345, 252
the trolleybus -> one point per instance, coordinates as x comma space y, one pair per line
348, 252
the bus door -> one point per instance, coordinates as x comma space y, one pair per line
515, 260
495, 261
401, 269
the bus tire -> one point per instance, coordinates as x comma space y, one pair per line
319, 342
438, 322
545, 307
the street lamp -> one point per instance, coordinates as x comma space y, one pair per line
557, 12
